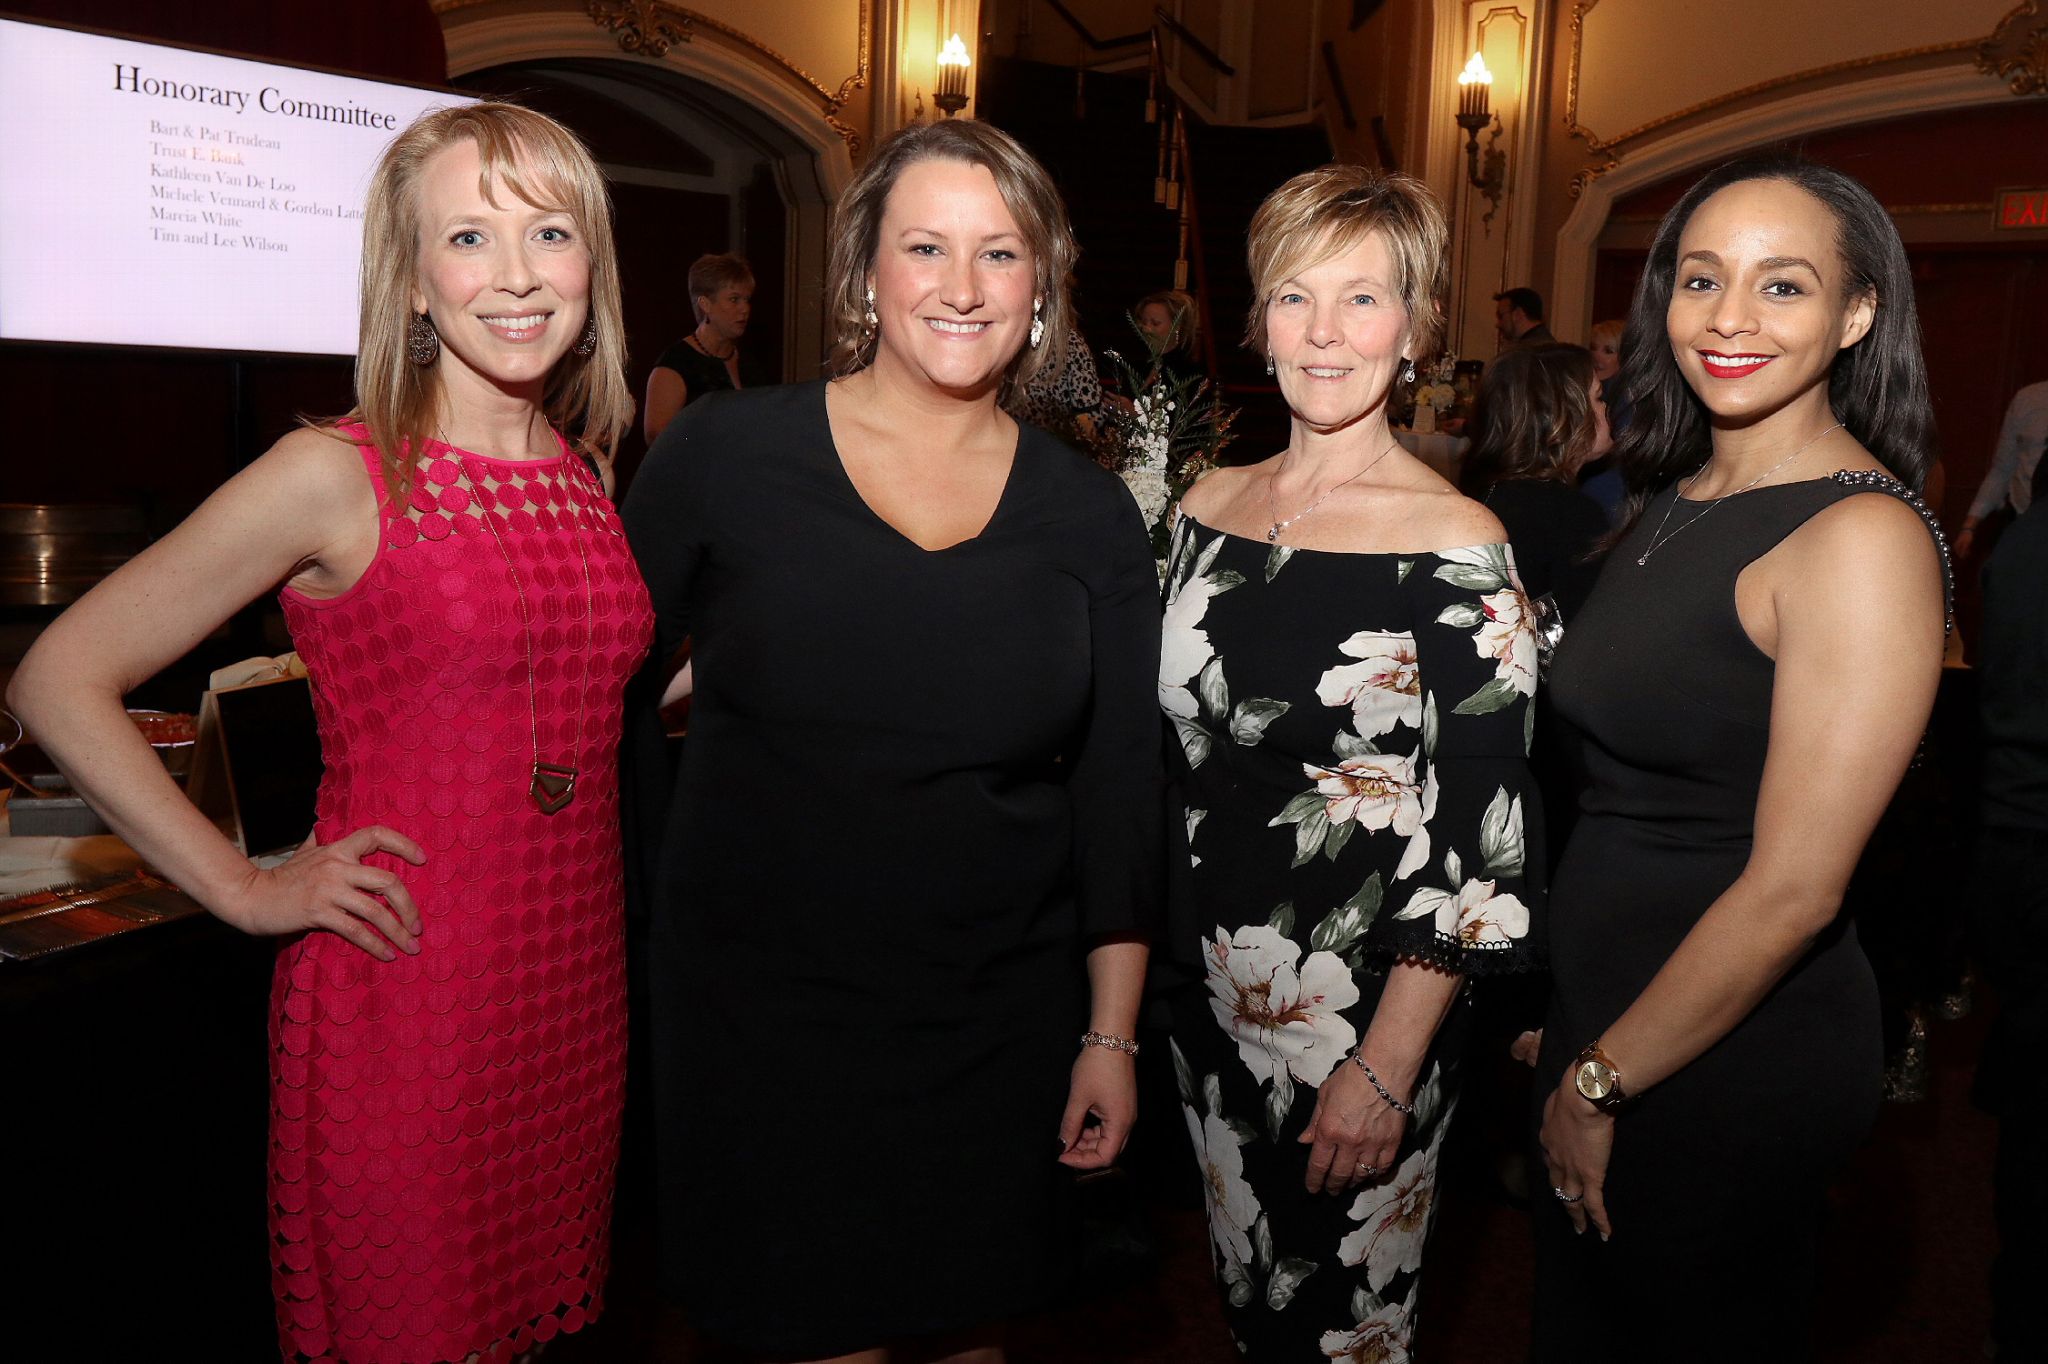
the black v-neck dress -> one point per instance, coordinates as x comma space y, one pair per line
917, 783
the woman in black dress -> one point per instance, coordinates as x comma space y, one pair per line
1540, 418
708, 360
916, 831
1752, 675
1348, 662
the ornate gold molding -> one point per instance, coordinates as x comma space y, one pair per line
641, 24
1605, 149
2018, 50
642, 28
650, 28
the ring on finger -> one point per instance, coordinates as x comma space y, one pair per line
1564, 1197
1366, 1168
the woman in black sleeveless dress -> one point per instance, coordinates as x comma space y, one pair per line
1752, 675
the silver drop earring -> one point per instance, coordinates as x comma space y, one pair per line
586, 345
1269, 364
1037, 323
869, 316
1408, 375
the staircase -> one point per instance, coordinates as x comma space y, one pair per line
1089, 130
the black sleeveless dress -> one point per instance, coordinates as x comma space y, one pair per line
1717, 1173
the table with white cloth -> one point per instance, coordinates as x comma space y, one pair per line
1440, 450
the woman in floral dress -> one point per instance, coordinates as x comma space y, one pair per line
1348, 662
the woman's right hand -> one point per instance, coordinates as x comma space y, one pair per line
329, 887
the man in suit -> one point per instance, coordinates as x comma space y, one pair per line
1518, 317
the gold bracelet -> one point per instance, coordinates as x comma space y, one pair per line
1111, 1041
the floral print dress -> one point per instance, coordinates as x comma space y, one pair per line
1353, 730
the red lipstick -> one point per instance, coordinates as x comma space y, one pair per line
1721, 366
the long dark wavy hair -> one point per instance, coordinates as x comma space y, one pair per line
1878, 387
1534, 417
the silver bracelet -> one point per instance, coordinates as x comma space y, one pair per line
1358, 1060
1111, 1041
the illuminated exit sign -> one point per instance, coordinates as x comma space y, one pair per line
2021, 208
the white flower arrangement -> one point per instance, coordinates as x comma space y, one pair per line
1442, 397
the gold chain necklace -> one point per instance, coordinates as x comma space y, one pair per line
554, 784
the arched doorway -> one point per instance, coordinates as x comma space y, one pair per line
704, 152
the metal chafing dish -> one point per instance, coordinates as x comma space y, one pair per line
51, 555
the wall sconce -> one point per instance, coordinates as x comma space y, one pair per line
952, 92
1475, 89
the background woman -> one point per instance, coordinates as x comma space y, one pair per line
1348, 661
922, 781
1600, 479
708, 360
1539, 419
1172, 326
448, 1016
1752, 674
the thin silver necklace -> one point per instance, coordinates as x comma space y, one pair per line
554, 784
1273, 534
1660, 539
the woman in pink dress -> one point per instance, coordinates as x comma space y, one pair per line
448, 1012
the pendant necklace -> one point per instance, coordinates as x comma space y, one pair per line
554, 784
1273, 534
1660, 539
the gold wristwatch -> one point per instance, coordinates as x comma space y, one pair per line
1598, 1080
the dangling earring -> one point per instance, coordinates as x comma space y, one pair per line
422, 342
869, 316
1269, 364
587, 343
1408, 375
1037, 323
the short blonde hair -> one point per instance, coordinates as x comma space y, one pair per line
1608, 332
712, 275
1327, 211
586, 397
1027, 191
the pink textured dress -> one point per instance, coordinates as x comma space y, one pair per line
445, 1127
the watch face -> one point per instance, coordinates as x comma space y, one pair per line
1595, 1081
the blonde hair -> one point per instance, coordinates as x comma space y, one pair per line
711, 275
1324, 213
1184, 324
1608, 332
1028, 193
545, 165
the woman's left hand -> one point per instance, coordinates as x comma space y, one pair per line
1577, 1140
1353, 1135
1105, 1084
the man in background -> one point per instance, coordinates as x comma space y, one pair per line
1518, 317
2014, 462
2011, 904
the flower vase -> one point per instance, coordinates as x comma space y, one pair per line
1425, 418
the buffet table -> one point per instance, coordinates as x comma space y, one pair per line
136, 1109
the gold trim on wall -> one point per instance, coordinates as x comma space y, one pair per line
650, 28
1606, 147
2018, 52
